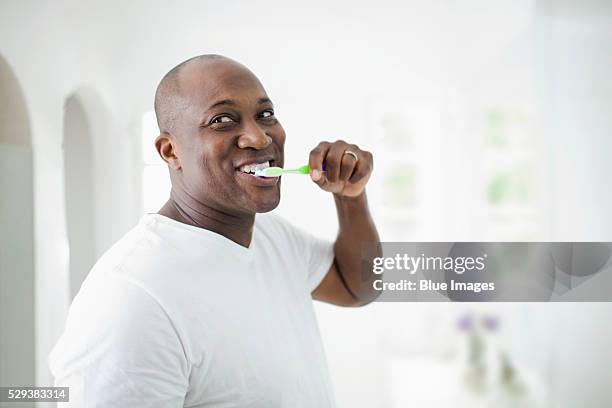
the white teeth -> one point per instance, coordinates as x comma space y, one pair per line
264, 165
248, 168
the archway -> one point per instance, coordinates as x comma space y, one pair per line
78, 190
17, 332
94, 177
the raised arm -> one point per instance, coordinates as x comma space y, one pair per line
347, 171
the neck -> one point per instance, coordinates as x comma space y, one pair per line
184, 208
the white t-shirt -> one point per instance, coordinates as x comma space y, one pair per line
178, 316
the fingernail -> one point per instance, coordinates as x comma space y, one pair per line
316, 174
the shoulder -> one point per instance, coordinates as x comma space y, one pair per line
138, 238
142, 256
107, 321
121, 292
112, 305
115, 336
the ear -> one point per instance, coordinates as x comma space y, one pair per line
166, 147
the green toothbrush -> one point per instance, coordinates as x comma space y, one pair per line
279, 171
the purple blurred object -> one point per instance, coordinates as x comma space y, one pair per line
490, 322
464, 323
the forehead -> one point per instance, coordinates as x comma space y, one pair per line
205, 83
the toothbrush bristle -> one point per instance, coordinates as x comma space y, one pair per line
269, 172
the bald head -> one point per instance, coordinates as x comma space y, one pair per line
171, 95
215, 117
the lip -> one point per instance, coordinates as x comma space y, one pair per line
256, 160
257, 181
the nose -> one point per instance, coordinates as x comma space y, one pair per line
253, 136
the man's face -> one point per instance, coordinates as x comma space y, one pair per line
228, 123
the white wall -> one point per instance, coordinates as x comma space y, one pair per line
329, 67
16, 234
574, 66
52, 56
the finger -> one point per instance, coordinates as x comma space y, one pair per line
333, 160
348, 163
363, 167
315, 160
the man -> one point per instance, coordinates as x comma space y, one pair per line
206, 304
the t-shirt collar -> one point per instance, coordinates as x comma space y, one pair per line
204, 234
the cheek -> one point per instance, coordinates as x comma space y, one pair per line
280, 136
278, 139
215, 156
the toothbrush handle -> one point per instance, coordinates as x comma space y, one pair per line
300, 170
306, 170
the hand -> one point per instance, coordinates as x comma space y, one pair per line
344, 174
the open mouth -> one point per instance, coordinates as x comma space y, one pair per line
250, 168
246, 172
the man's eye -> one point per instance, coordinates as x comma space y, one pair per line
222, 119
267, 114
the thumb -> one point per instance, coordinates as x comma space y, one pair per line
319, 178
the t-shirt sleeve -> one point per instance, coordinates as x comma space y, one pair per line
119, 349
317, 253
320, 259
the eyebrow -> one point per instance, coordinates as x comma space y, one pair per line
221, 103
263, 100
230, 102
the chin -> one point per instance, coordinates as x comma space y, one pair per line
267, 206
263, 202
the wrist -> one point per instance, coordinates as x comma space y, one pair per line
349, 201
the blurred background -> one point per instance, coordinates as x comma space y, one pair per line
489, 121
